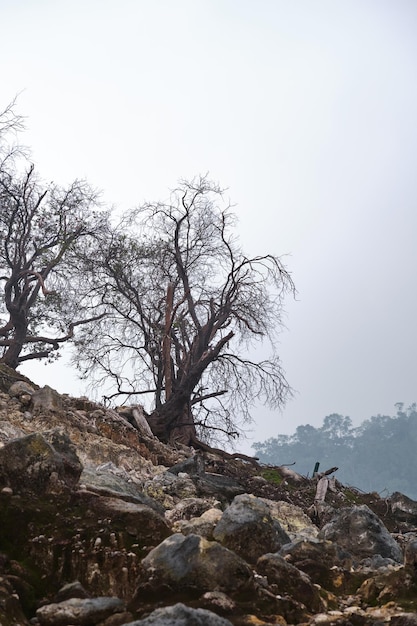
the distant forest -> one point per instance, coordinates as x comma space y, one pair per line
379, 455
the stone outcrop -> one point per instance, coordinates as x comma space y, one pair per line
100, 523
358, 530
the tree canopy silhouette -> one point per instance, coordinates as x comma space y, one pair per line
185, 307
42, 229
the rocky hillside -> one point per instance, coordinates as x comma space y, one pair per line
100, 523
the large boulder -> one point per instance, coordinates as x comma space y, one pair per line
248, 528
33, 465
358, 530
192, 565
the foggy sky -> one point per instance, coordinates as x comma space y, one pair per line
305, 110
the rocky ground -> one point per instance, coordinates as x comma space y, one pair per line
100, 523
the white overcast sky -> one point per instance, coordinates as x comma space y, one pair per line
304, 109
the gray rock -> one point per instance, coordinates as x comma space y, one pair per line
247, 528
21, 387
404, 508
193, 564
47, 399
109, 484
79, 611
8, 431
214, 485
404, 619
292, 519
192, 465
32, 465
169, 489
181, 615
321, 560
362, 533
140, 521
71, 590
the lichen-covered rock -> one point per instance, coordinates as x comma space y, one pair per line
192, 564
79, 611
32, 465
248, 528
181, 615
292, 519
358, 530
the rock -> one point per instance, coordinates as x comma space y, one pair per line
20, 388
193, 465
410, 555
292, 519
404, 508
361, 532
190, 507
46, 399
32, 465
181, 615
203, 525
284, 578
192, 564
79, 611
8, 376
324, 561
218, 602
108, 483
140, 521
404, 619
247, 528
169, 489
221, 487
395, 585
8, 432
71, 590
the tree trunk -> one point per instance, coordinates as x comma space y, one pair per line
12, 353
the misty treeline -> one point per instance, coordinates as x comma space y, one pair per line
160, 305
379, 455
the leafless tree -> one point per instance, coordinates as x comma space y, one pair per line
184, 307
41, 230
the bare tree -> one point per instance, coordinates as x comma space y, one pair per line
41, 230
184, 308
